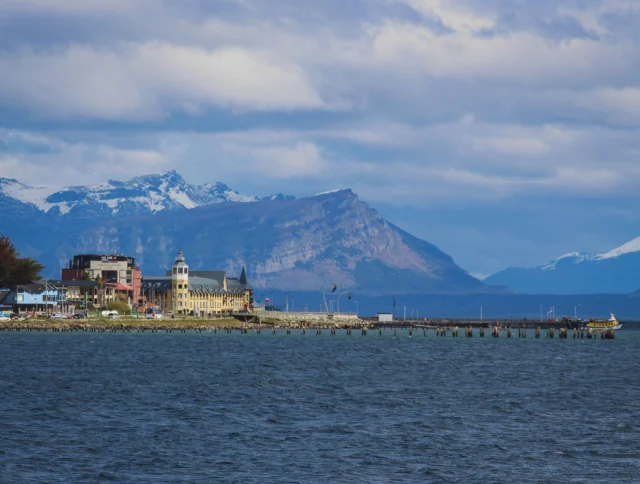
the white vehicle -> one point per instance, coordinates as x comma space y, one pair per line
107, 314
114, 316
153, 313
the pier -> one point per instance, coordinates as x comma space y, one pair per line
318, 327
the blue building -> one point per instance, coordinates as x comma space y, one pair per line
35, 297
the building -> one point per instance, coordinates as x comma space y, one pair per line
197, 292
385, 317
35, 297
83, 293
118, 275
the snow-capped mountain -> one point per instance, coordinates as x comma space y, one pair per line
140, 195
284, 243
614, 272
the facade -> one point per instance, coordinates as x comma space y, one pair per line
198, 292
118, 274
35, 297
82, 293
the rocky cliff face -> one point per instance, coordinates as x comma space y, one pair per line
300, 244
286, 244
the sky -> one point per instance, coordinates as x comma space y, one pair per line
504, 131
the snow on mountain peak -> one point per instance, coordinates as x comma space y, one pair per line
577, 256
142, 194
26, 194
629, 247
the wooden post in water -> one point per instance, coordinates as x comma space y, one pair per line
508, 332
482, 332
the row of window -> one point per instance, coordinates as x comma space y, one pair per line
180, 270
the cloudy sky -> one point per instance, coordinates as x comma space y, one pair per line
504, 131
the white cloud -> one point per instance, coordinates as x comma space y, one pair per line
301, 160
483, 109
142, 81
74, 163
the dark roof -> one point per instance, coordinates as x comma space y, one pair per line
160, 284
243, 277
237, 283
200, 285
215, 275
33, 287
74, 283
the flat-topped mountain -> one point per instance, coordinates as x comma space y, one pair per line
285, 243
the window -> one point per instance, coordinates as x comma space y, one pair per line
179, 270
186, 271
179, 286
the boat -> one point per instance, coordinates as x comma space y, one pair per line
610, 324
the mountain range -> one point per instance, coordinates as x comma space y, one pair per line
141, 195
613, 272
285, 243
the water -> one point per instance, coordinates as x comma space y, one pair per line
92, 407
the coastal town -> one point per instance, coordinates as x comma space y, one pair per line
111, 285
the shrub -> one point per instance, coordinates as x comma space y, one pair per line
120, 306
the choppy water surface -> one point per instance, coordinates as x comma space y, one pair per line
87, 407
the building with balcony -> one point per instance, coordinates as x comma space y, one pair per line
117, 275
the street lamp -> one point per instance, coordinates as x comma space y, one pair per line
338, 301
356, 308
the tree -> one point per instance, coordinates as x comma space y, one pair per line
16, 270
120, 306
100, 282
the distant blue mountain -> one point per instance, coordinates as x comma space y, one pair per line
285, 243
614, 272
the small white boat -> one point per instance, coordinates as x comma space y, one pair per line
610, 324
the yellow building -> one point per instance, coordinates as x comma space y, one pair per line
197, 292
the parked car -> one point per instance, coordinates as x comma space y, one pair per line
153, 313
114, 316
79, 316
57, 316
